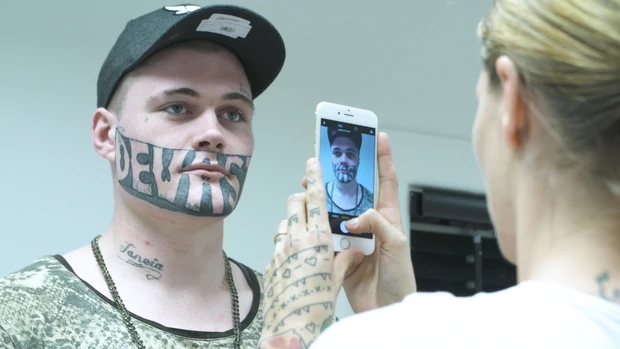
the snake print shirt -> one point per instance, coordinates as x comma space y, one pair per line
366, 202
45, 305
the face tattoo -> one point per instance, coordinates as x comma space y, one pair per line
144, 171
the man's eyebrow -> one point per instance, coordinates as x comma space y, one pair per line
238, 96
193, 93
186, 91
346, 148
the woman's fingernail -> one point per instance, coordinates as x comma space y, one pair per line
352, 223
311, 162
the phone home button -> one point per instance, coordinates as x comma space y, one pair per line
345, 243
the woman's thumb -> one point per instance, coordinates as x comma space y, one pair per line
345, 263
373, 222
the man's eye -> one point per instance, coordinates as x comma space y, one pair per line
233, 115
176, 109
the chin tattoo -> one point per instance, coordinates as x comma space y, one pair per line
144, 171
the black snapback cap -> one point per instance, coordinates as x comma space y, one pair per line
252, 38
355, 137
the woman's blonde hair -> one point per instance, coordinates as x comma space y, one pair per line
568, 55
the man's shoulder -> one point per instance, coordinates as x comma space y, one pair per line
249, 272
259, 275
367, 198
366, 191
32, 289
32, 277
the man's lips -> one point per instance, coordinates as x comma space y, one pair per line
206, 169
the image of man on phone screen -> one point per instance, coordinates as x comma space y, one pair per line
344, 194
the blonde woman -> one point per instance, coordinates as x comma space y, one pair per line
547, 139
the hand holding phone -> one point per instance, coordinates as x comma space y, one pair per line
346, 146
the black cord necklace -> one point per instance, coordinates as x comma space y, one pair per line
357, 200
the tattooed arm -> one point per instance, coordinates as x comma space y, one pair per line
299, 298
303, 279
605, 292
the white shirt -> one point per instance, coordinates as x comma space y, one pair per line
530, 315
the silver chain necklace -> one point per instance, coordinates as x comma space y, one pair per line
127, 318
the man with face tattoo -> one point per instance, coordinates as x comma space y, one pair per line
175, 100
345, 195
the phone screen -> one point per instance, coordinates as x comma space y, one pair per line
347, 157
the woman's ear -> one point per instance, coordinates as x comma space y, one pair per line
514, 116
103, 133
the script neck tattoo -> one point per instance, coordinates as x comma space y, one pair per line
144, 171
135, 337
152, 267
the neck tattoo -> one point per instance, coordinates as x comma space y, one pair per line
135, 337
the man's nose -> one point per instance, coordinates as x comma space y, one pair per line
211, 135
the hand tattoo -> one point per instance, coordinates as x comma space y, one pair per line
314, 212
293, 219
291, 294
611, 295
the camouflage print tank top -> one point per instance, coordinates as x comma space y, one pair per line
366, 202
45, 305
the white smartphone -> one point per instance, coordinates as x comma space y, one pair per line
346, 146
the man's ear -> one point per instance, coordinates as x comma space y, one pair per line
103, 133
515, 117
